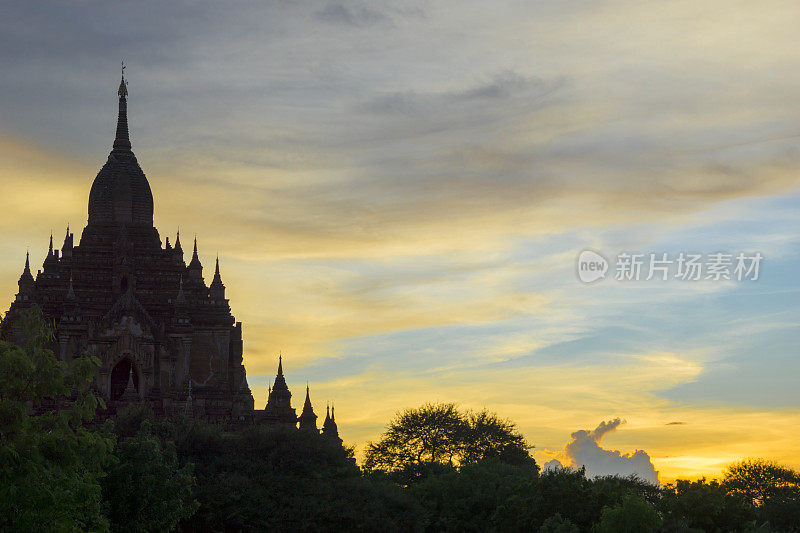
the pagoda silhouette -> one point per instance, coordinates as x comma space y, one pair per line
163, 336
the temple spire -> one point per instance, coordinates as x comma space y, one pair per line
329, 428
122, 141
195, 267
308, 419
217, 290
26, 283
50, 250
279, 404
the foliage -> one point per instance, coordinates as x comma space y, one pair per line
475, 497
557, 524
773, 489
51, 463
705, 506
430, 435
436, 438
758, 480
146, 489
281, 479
567, 492
632, 515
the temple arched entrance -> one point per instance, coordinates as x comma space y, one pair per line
119, 378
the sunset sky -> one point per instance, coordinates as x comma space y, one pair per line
398, 193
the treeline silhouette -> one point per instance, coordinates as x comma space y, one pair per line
435, 468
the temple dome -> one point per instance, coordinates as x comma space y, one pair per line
120, 193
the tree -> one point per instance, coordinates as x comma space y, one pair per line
773, 489
281, 479
704, 505
490, 436
50, 463
567, 492
557, 524
758, 480
481, 496
145, 488
436, 438
633, 515
430, 436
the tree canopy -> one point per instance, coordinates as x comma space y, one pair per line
437, 437
51, 463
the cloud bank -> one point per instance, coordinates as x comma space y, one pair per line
585, 450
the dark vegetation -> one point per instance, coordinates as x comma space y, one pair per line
436, 468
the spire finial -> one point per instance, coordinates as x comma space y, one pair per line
27, 261
123, 85
50, 251
216, 272
194, 254
280, 364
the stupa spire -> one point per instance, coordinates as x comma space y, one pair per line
329, 428
26, 283
307, 419
217, 289
195, 267
122, 140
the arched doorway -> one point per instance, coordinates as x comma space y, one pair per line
119, 378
